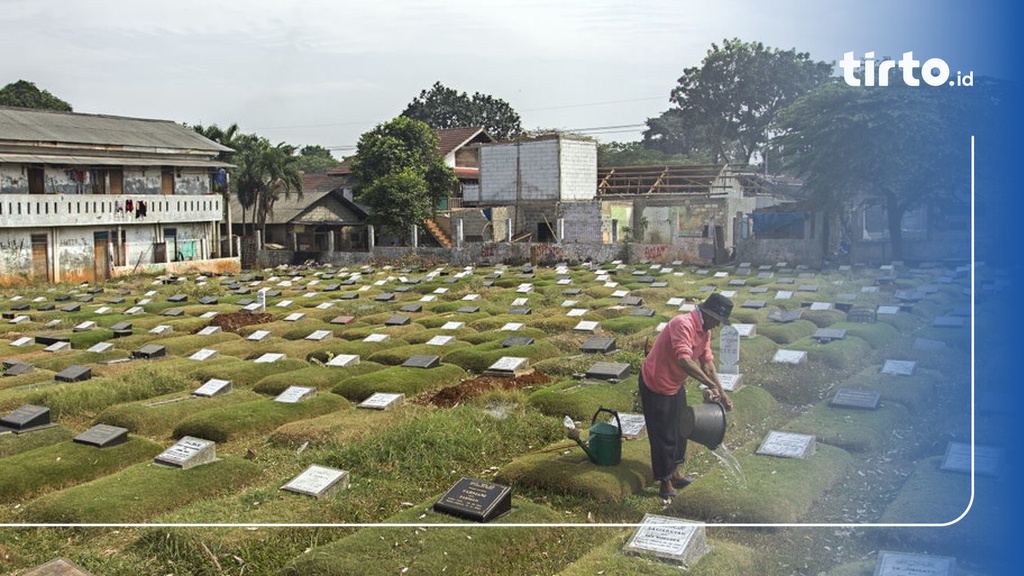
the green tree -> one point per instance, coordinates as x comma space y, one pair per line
263, 173
636, 154
26, 95
400, 174
897, 146
442, 108
315, 159
725, 107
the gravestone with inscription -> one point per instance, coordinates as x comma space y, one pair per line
673, 539
295, 394
213, 387
103, 436
188, 452
899, 367
27, 418
987, 459
509, 366
730, 382
614, 371
516, 341
382, 401
852, 398
203, 354
318, 481
150, 351
785, 316
319, 335
598, 345
790, 356
477, 500
826, 335
904, 564
633, 425
787, 445
74, 373
269, 358
729, 350
422, 361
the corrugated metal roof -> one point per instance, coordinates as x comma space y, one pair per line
24, 125
110, 161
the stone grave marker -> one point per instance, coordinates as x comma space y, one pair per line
422, 361
521, 311
58, 347
213, 387
16, 368
48, 339
512, 327
729, 293
587, 326
631, 301
730, 382
477, 500
576, 312
386, 297
721, 274
887, 310
903, 564
679, 541
571, 292
706, 288
58, 567
150, 351
509, 366
440, 341
852, 398
188, 452
162, 329
22, 341
27, 418
783, 295
987, 459
738, 282
382, 401
785, 316
318, 481
786, 281
598, 345
643, 313
948, 322
516, 341
746, 330
428, 298
790, 356
342, 320
72, 308
319, 335
74, 373
173, 312
608, 371
178, 298
209, 331
826, 335
755, 304
899, 367
46, 307
861, 315
453, 326
294, 317
343, 360
787, 445
729, 350
821, 306
103, 436
269, 358
350, 296
926, 345
411, 308
134, 310
468, 309
397, 320
295, 394
376, 338
122, 329
765, 275
471, 297
258, 335
208, 300
633, 425
203, 354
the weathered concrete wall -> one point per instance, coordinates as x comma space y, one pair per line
13, 179
211, 266
579, 220
75, 254
15, 255
141, 181
555, 168
192, 182
806, 251
578, 164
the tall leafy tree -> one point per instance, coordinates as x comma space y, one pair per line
400, 174
442, 108
724, 108
314, 159
897, 146
27, 95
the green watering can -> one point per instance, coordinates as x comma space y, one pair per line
604, 446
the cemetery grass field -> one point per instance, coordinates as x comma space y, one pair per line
441, 337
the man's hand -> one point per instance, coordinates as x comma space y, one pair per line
718, 396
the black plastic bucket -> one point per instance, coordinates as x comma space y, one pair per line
704, 424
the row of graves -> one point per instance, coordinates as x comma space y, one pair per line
404, 332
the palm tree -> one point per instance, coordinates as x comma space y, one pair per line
262, 174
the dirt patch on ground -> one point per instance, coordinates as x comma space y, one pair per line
233, 321
459, 393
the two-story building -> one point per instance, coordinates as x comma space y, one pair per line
84, 196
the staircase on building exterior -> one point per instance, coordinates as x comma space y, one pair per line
435, 230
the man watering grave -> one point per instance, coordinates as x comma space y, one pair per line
682, 350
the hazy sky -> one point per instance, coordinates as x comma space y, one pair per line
325, 71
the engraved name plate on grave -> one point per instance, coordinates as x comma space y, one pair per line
826, 335
440, 340
397, 320
294, 317
987, 459
376, 338
26, 419
674, 539
477, 500
342, 360
382, 401
318, 481
790, 356
189, 452
74, 373
598, 345
608, 371
851, 398
861, 315
821, 306
269, 358
203, 354
294, 394
213, 387
209, 331
746, 330
903, 564
58, 347
509, 366
258, 335
103, 436
24, 340
587, 326
730, 382
516, 341
785, 316
422, 361
512, 326
633, 425
319, 335
453, 325
16, 368
887, 310
787, 445
899, 367
729, 350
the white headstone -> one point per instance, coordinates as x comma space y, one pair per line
440, 340
512, 326
342, 360
903, 564
575, 312
22, 341
376, 338
453, 325
318, 481
674, 539
203, 354
730, 382
899, 367
209, 331
269, 358
382, 401
258, 335
188, 453
100, 347
746, 330
161, 329
987, 459
294, 394
787, 445
729, 350
294, 317
319, 335
790, 356
587, 326
213, 387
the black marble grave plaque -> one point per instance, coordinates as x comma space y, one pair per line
411, 308
16, 367
26, 418
19, 307
785, 316
642, 312
50, 339
598, 345
150, 351
46, 307
517, 341
422, 361
173, 312
520, 311
74, 373
468, 309
851, 398
608, 371
208, 300
178, 298
386, 297
477, 500
397, 320
826, 335
103, 436
631, 301
350, 296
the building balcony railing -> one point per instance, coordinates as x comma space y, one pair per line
44, 210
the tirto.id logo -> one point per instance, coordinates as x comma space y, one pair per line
934, 71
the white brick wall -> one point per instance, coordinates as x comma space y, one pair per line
547, 169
